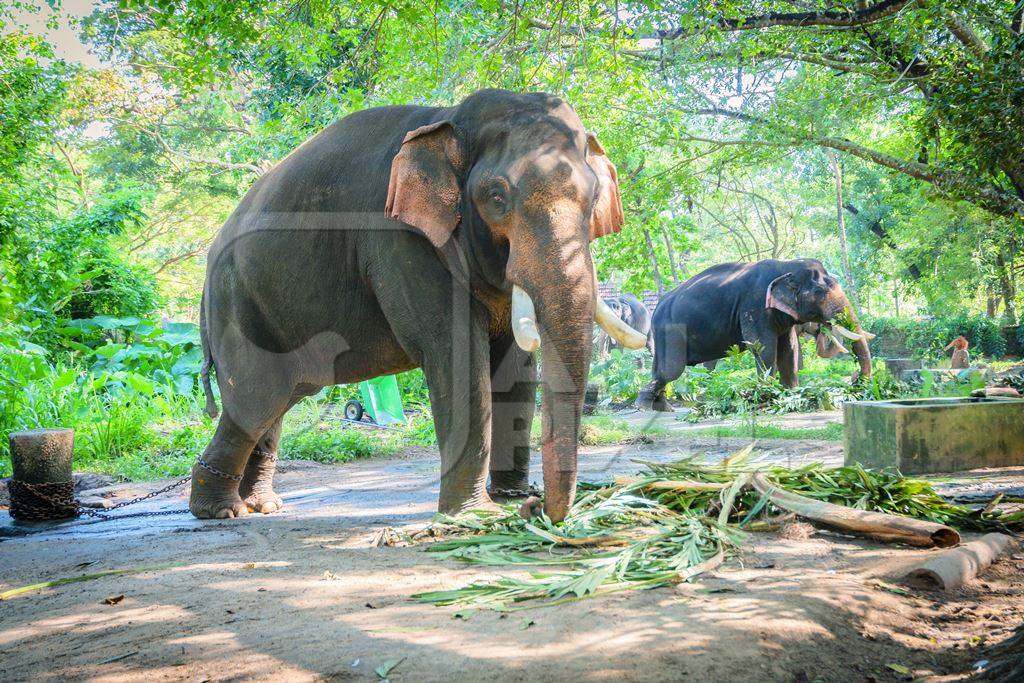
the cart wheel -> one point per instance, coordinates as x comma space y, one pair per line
354, 411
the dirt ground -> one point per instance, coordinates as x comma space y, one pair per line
304, 595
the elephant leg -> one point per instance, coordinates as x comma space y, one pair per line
459, 382
216, 476
669, 363
764, 342
445, 332
513, 402
787, 358
257, 486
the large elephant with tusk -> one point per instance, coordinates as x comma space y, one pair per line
763, 305
453, 239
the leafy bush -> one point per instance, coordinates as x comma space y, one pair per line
926, 337
141, 356
333, 445
622, 374
737, 386
77, 268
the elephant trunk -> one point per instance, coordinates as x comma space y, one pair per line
857, 335
860, 347
563, 299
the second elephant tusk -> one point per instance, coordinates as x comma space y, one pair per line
853, 336
613, 325
524, 321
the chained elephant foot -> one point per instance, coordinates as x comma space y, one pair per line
214, 496
508, 486
481, 501
257, 487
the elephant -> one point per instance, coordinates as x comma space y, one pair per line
633, 313
755, 304
452, 239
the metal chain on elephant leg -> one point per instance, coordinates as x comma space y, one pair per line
514, 493
257, 485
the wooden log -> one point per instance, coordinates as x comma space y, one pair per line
877, 525
42, 456
956, 567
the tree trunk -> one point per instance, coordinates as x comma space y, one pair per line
851, 286
991, 302
1008, 287
671, 257
653, 257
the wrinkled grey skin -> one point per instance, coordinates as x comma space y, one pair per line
631, 311
726, 305
389, 241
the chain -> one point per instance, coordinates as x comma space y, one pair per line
220, 473
153, 494
51, 501
513, 493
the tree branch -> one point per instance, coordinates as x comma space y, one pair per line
966, 35
950, 182
839, 18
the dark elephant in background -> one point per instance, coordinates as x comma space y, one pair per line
631, 311
453, 239
750, 304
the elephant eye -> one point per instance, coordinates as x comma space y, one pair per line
497, 198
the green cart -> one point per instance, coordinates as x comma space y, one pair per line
381, 399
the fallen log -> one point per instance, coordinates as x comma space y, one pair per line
877, 525
956, 567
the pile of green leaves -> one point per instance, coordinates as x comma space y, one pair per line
737, 386
636, 534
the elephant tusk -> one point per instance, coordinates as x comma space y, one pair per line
524, 321
867, 335
613, 325
838, 344
853, 336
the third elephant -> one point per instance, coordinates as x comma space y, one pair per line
633, 313
752, 305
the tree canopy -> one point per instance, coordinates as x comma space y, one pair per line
730, 123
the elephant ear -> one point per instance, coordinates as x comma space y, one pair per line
607, 216
424, 187
782, 295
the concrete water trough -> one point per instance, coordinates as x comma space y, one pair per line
923, 435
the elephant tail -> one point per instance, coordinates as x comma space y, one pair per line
204, 374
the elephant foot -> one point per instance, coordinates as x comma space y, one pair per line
479, 502
257, 487
264, 501
644, 401
508, 486
214, 497
662, 405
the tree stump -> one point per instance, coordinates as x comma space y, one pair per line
41, 485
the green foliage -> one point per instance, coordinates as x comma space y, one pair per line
639, 535
137, 356
926, 337
833, 431
332, 445
603, 430
622, 374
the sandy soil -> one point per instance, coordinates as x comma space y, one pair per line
304, 595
